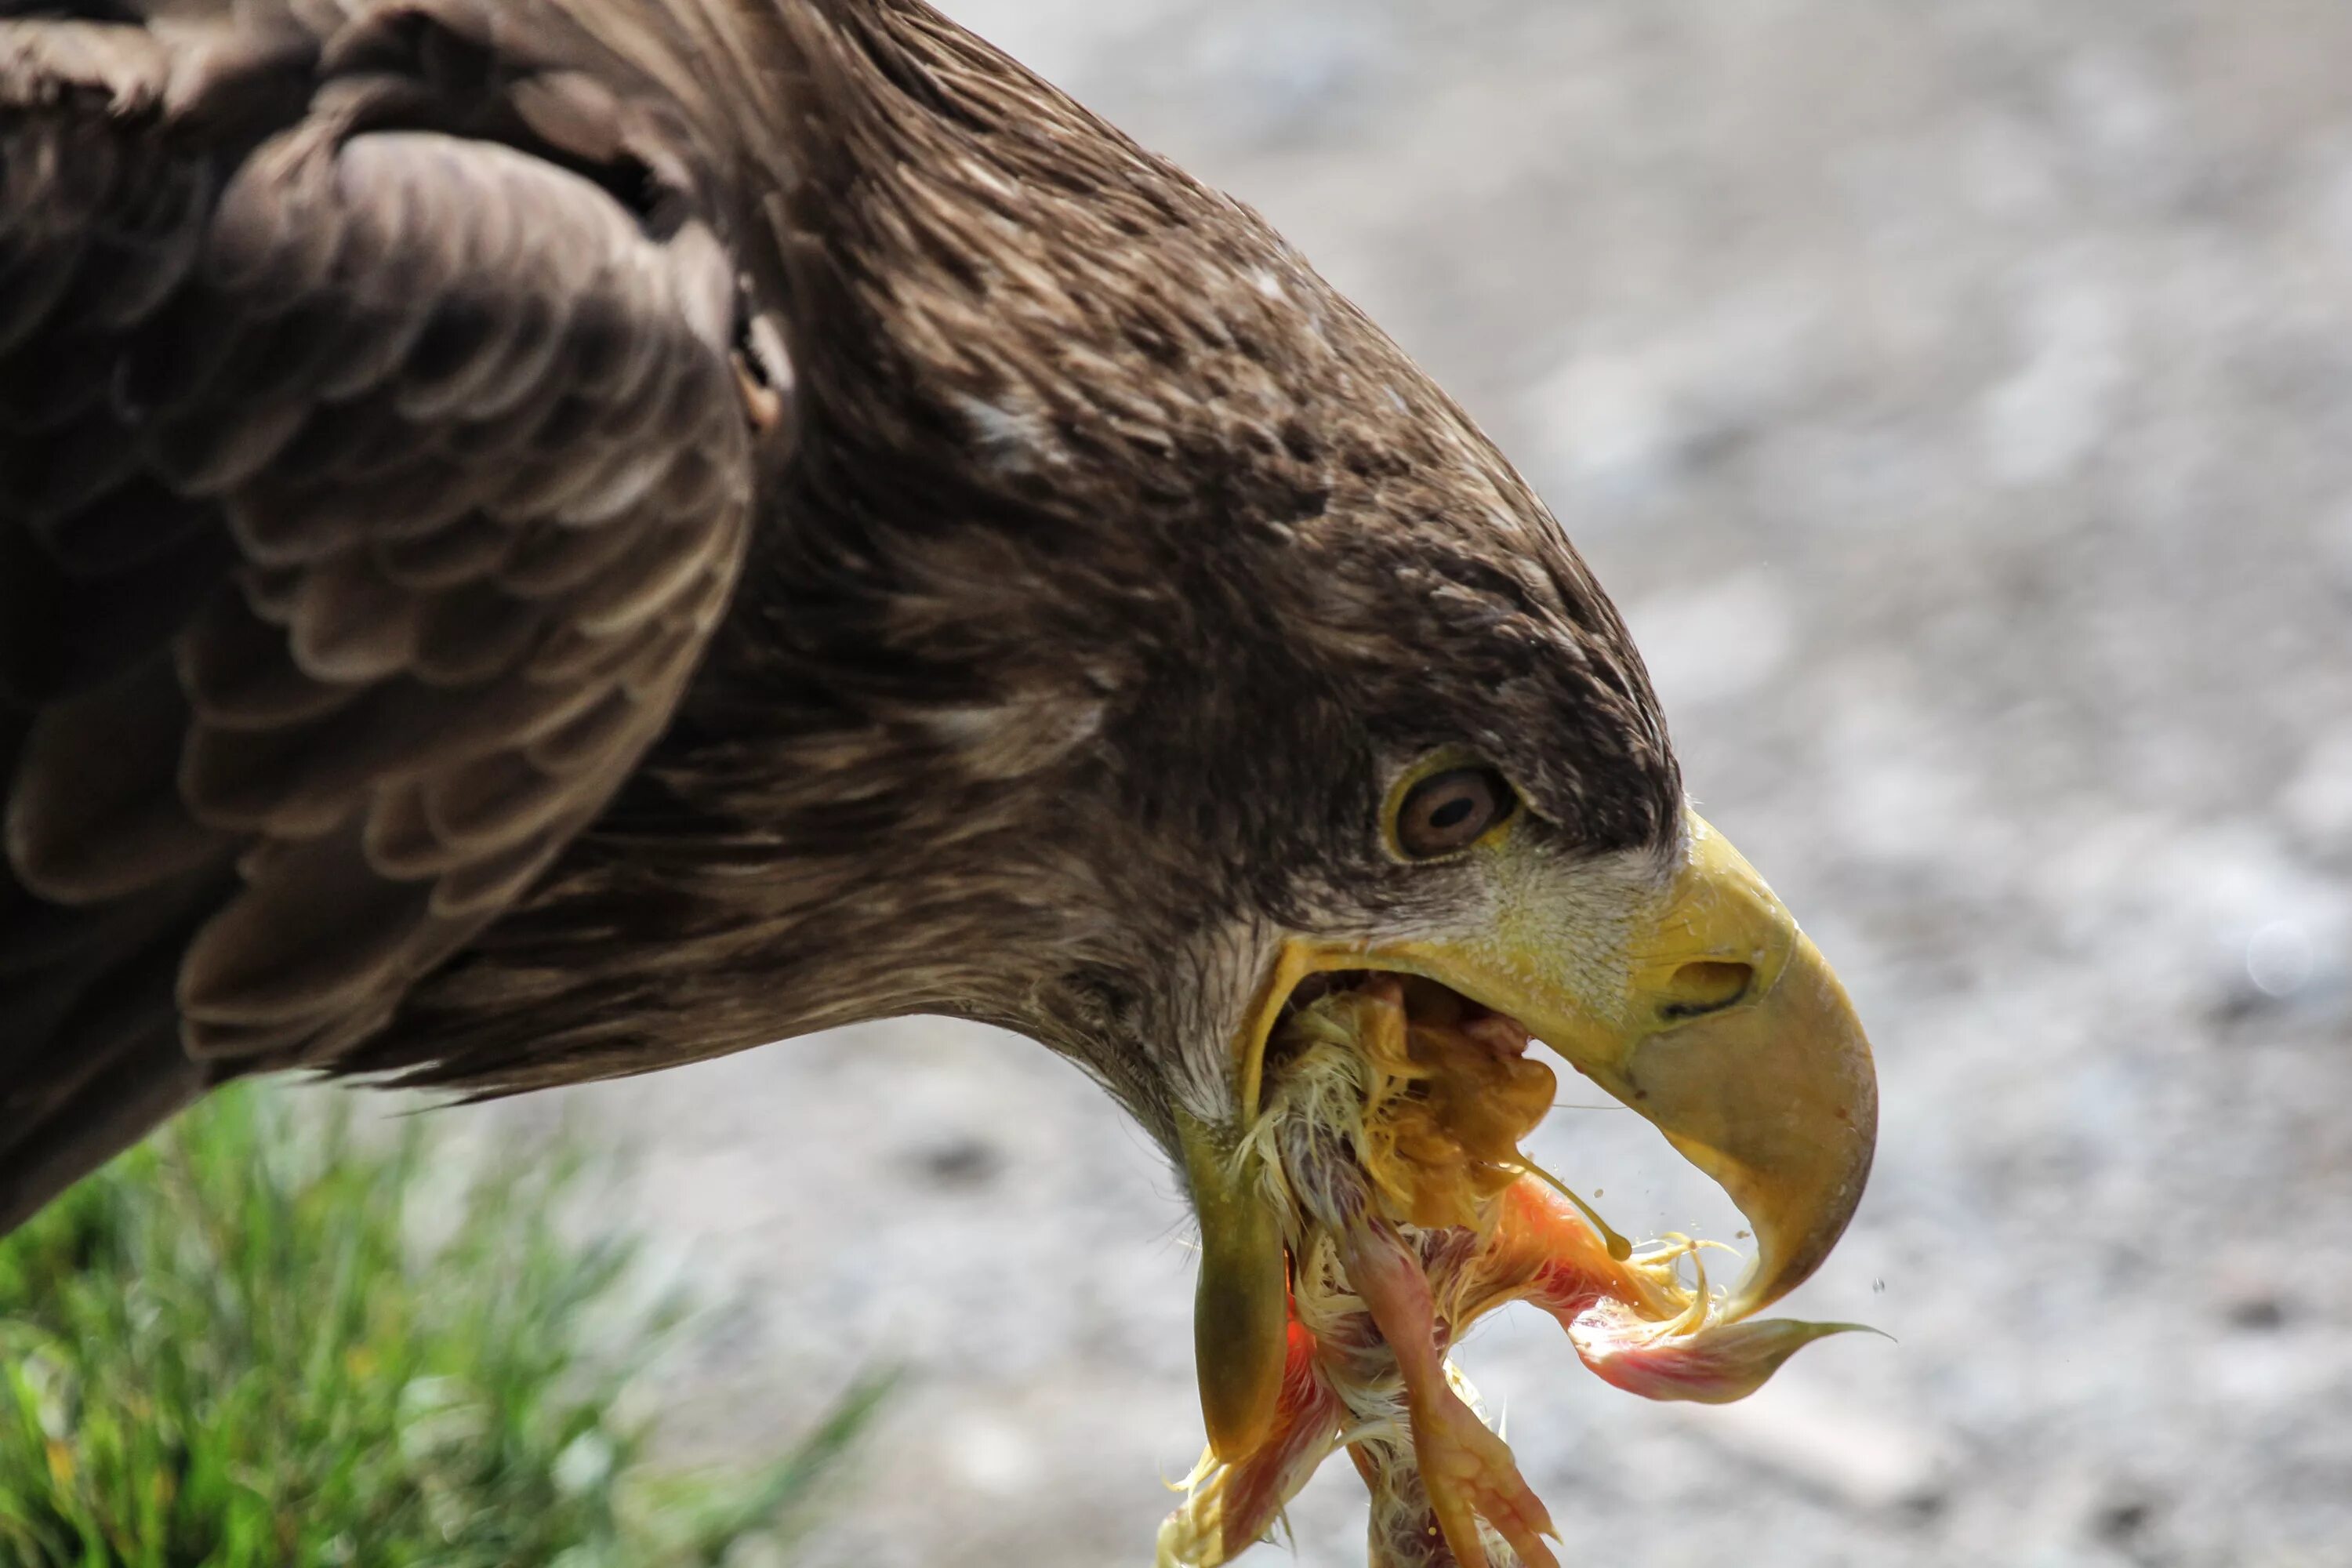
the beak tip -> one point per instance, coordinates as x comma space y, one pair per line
1783, 1100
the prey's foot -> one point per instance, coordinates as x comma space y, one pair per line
1470, 1475
1404, 1531
1468, 1471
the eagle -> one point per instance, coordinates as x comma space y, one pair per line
544, 539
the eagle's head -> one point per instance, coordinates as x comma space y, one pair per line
1233, 663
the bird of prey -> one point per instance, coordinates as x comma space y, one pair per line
543, 539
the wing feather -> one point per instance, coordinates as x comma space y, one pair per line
367, 494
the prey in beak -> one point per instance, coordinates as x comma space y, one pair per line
1372, 1202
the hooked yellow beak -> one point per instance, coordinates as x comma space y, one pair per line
1698, 1004
1739, 1044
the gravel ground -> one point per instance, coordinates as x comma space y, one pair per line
1958, 398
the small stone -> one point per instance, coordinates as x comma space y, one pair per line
2122, 1518
2257, 1314
961, 1162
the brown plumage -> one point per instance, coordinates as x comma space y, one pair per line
545, 541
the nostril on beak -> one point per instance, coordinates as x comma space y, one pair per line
1707, 986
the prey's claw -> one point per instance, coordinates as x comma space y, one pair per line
1469, 1471
1470, 1475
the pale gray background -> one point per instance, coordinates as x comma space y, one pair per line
1957, 398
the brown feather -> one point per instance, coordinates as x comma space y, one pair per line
326, 324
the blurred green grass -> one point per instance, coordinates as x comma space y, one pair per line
248, 1342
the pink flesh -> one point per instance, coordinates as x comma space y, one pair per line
1541, 1251
1544, 1252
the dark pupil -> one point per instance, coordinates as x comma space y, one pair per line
1452, 813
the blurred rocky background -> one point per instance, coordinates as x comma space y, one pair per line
1957, 398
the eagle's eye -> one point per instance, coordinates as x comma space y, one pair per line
1451, 810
